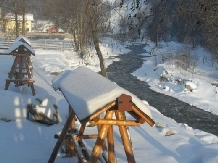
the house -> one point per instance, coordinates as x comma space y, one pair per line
10, 24
54, 29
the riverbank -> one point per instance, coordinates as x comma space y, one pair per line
120, 72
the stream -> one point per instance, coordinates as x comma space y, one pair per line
119, 72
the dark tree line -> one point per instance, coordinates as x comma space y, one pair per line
187, 21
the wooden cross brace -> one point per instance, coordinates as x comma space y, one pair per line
106, 131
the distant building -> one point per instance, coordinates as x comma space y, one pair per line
10, 22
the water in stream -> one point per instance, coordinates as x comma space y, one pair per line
119, 72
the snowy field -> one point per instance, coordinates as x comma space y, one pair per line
23, 141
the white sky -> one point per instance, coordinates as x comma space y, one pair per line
23, 141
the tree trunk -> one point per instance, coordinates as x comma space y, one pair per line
95, 38
23, 15
16, 19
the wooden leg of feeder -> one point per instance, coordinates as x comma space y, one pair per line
7, 85
104, 144
72, 130
33, 90
125, 138
81, 132
100, 140
69, 109
61, 138
110, 137
72, 127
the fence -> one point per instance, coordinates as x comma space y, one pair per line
46, 44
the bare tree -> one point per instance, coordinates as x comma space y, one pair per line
83, 18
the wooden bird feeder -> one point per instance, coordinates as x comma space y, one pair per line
114, 112
21, 72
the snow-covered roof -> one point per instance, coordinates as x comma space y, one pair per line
23, 39
17, 44
87, 91
28, 16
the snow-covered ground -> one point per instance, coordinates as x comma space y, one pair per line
24, 141
201, 76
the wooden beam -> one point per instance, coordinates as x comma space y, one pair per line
90, 136
32, 88
61, 138
102, 110
104, 148
143, 115
17, 80
125, 138
7, 85
100, 140
116, 122
81, 131
110, 138
72, 125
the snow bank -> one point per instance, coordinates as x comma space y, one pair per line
12, 107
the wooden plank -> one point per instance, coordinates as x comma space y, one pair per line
90, 136
124, 103
17, 80
116, 122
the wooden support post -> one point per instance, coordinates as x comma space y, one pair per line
61, 138
99, 128
101, 138
7, 84
20, 68
32, 88
81, 131
125, 138
110, 138
72, 126
13, 68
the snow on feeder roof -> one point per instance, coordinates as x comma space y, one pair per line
17, 45
23, 39
87, 91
